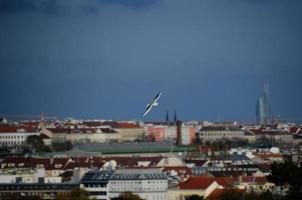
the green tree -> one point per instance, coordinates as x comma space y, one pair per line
75, 194
194, 197
37, 143
287, 174
233, 195
127, 196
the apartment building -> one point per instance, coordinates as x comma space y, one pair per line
149, 184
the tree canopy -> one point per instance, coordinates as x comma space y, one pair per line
287, 174
75, 194
37, 143
127, 196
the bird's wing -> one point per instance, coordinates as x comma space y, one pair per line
156, 97
147, 109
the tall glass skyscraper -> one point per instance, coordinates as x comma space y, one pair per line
263, 107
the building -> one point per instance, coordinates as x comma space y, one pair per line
212, 133
254, 184
96, 183
272, 136
42, 190
260, 111
14, 137
164, 132
200, 186
129, 131
149, 184
263, 107
156, 133
187, 134
82, 135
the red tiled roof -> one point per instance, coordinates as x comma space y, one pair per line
39, 161
127, 125
218, 193
92, 123
294, 129
196, 183
261, 131
133, 161
225, 181
15, 161
268, 155
196, 162
112, 124
181, 170
58, 163
72, 130
14, 129
70, 163
259, 180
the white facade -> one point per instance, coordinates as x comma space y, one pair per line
149, 184
187, 134
212, 135
170, 133
15, 139
96, 183
97, 190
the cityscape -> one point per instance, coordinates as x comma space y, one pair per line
150, 100
48, 158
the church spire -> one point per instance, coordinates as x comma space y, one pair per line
167, 116
175, 116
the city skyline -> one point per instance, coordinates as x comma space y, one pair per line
106, 59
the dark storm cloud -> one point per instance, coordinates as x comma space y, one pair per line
62, 6
209, 58
17, 5
45, 6
136, 4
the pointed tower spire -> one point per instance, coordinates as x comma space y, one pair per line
167, 116
175, 116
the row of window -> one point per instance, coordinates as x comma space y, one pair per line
98, 193
11, 136
95, 185
34, 187
232, 169
214, 134
136, 189
135, 182
11, 142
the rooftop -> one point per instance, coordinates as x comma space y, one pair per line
96, 176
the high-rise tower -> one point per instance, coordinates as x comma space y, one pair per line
263, 107
260, 111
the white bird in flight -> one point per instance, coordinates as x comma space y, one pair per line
153, 103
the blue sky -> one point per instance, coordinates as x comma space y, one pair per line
108, 58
